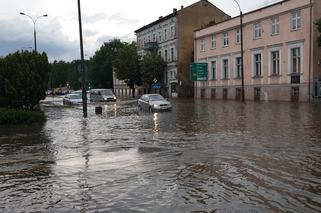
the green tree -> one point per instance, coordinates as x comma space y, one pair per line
127, 66
63, 72
24, 76
318, 24
152, 67
101, 66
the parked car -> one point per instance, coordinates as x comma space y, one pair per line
102, 95
72, 98
154, 102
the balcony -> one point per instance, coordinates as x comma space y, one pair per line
150, 46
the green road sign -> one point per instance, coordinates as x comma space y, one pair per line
198, 71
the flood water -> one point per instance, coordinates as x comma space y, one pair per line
204, 156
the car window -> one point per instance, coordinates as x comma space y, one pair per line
75, 96
156, 98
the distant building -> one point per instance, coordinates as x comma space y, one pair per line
172, 37
281, 56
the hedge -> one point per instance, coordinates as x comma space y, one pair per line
12, 116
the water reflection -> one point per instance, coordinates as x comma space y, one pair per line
204, 156
155, 123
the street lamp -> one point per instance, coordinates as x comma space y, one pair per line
242, 52
34, 27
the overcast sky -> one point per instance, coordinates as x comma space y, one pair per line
103, 20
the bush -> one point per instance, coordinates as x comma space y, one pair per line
11, 116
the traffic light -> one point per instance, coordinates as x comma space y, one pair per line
89, 86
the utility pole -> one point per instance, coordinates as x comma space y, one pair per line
82, 65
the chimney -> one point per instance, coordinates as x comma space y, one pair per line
182, 7
174, 10
160, 17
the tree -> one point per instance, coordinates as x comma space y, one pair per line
127, 66
24, 76
101, 71
152, 67
318, 24
63, 72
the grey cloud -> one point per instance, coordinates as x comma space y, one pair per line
90, 33
15, 35
118, 18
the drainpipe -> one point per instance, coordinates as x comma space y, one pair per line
310, 49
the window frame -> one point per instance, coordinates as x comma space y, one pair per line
254, 71
238, 35
275, 25
257, 30
225, 39
296, 23
202, 45
213, 41
225, 75
238, 67
213, 77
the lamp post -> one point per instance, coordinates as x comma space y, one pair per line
34, 27
242, 51
82, 65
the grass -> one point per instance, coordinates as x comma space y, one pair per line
13, 116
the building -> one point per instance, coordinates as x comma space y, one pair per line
172, 37
281, 55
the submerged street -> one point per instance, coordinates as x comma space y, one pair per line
203, 156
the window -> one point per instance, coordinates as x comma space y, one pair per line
154, 37
238, 36
172, 54
275, 26
238, 63
213, 41
257, 65
296, 20
160, 53
172, 31
257, 30
225, 39
296, 60
225, 69
213, 66
165, 34
159, 36
165, 59
275, 62
202, 45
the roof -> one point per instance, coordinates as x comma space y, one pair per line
173, 14
244, 14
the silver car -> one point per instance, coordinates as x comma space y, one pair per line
72, 98
102, 95
154, 102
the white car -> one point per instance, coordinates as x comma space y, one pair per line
102, 95
72, 98
154, 102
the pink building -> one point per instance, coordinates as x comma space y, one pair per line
282, 60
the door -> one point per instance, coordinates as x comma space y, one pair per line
257, 94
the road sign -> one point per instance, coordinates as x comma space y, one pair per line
156, 86
198, 72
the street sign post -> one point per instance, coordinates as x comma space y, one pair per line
199, 71
156, 86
